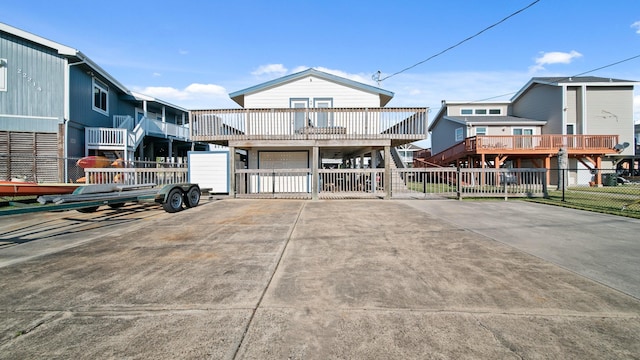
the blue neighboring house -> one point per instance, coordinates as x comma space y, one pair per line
56, 103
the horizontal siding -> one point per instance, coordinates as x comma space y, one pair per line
311, 87
610, 111
19, 123
542, 102
444, 135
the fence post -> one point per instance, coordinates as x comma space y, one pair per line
458, 182
504, 184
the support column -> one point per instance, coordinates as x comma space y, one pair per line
170, 152
232, 172
387, 172
547, 165
315, 176
374, 159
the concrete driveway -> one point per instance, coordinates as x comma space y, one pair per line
274, 279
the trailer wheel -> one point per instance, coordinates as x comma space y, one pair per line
173, 202
88, 209
192, 197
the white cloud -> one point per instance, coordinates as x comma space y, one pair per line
554, 57
156, 74
270, 69
194, 96
183, 52
636, 25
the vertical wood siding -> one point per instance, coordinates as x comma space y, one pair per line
35, 84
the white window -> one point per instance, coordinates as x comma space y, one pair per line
466, 112
323, 119
481, 111
571, 129
481, 131
3, 74
495, 111
100, 97
459, 134
522, 131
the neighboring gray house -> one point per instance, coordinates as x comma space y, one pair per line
591, 117
56, 103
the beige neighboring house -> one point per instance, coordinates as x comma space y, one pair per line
301, 120
590, 117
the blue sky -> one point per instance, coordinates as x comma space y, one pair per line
194, 53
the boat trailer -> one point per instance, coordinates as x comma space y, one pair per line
88, 198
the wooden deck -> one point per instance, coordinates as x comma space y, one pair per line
531, 146
219, 126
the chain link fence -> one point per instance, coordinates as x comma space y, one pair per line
609, 191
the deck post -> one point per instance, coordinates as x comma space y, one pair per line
387, 172
232, 172
315, 178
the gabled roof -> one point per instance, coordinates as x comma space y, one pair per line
238, 96
74, 56
573, 80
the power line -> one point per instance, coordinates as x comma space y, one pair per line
453, 46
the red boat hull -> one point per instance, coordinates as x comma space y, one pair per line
23, 188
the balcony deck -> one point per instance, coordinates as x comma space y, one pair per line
400, 125
528, 146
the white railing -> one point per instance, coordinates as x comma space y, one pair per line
136, 176
165, 129
273, 182
106, 138
351, 181
315, 123
502, 182
469, 182
123, 122
124, 134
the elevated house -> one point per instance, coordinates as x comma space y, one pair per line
300, 121
56, 104
590, 117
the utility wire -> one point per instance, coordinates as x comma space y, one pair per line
453, 46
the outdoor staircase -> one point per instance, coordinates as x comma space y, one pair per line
397, 182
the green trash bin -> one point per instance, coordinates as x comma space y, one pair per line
611, 180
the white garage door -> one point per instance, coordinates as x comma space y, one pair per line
282, 182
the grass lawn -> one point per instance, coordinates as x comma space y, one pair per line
616, 200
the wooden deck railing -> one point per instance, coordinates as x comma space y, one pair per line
302, 124
527, 144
